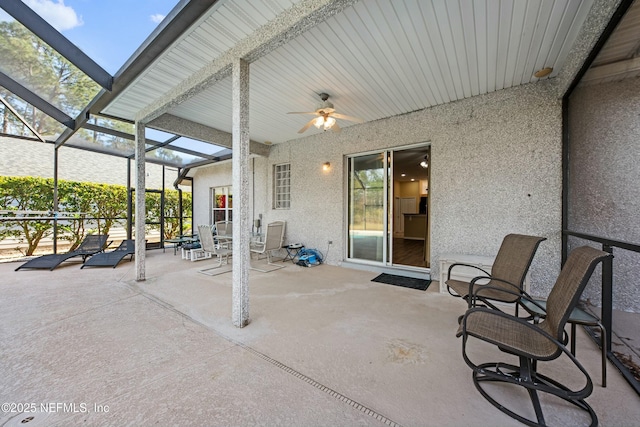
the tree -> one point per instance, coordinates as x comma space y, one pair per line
45, 72
109, 205
172, 213
26, 194
85, 208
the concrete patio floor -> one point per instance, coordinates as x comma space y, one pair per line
325, 347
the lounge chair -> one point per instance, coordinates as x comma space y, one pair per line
507, 273
92, 244
112, 258
533, 344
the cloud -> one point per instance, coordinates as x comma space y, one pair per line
60, 16
157, 18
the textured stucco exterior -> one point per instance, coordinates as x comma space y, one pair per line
496, 169
496, 164
604, 197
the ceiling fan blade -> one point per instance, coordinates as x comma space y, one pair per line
307, 126
336, 128
303, 112
345, 117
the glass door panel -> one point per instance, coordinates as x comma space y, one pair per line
367, 208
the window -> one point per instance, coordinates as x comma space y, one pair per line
282, 186
221, 204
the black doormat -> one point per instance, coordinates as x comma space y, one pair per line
406, 282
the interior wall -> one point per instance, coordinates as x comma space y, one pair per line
604, 195
496, 169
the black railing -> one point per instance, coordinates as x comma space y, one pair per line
607, 294
56, 219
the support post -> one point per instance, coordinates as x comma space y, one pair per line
55, 200
240, 167
129, 205
140, 213
607, 295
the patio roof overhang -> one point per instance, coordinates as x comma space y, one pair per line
375, 59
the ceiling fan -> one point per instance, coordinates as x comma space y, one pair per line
326, 116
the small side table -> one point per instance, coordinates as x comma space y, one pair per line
176, 244
293, 251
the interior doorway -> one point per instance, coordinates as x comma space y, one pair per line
410, 176
388, 207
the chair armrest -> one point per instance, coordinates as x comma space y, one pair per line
257, 246
516, 291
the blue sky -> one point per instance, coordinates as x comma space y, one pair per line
109, 31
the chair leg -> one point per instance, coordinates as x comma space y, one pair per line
603, 345
526, 376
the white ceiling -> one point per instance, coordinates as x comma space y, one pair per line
376, 59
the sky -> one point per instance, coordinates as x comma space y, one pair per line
108, 31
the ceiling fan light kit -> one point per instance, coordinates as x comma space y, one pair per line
326, 116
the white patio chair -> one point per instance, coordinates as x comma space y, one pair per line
209, 248
224, 233
273, 240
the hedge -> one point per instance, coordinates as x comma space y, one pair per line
88, 204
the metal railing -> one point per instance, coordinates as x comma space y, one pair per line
607, 294
56, 220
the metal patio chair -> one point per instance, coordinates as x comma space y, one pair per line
224, 233
508, 273
210, 249
91, 245
273, 241
533, 342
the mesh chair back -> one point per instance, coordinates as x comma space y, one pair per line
127, 245
571, 282
206, 238
275, 236
224, 228
514, 259
92, 243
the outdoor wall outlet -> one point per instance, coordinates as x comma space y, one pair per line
331, 242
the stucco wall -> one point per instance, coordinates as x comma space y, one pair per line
604, 197
19, 157
496, 169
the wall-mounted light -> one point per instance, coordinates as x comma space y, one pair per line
326, 166
543, 72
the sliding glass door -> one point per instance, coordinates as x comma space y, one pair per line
368, 195
388, 215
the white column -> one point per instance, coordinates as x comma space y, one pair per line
240, 166
140, 208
